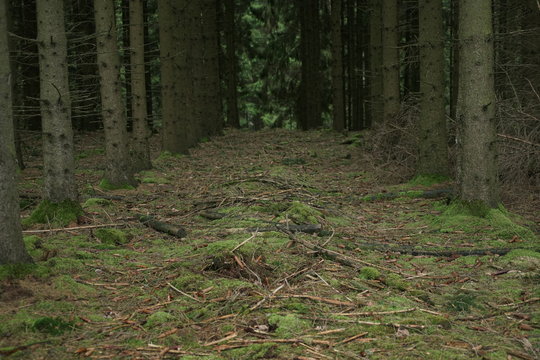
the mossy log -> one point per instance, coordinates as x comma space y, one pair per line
427, 194
171, 229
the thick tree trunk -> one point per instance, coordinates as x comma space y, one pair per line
432, 134
232, 69
84, 84
167, 28
478, 179
310, 89
140, 150
212, 103
58, 161
118, 170
11, 243
390, 61
375, 57
338, 100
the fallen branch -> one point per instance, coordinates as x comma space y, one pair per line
86, 227
428, 194
320, 299
307, 229
171, 229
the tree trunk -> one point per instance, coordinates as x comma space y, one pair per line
118, 171
390, 63
375, 40
338, 101
310, 89
84, 84
232, 71
454, 65
432, 134
11, 242
58, 161
140, 150
212, 104
476, 105
167, 27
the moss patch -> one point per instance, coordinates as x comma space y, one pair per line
158, 318
59, 214
96, 202
52, 326
288, 326
301, 213
428, 180
111, 236
106, 185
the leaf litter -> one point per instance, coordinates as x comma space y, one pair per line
283, 259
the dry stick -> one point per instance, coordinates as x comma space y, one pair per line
374, 313
342, 259
86, 227
518, 139
352, 338
183, 293
245, 241
320, 299
226, 338
264, 299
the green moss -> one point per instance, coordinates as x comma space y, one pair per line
59, 214
52, 326
522, 253
111, 236
167, 155
395, 281
19, 271
428, 180
66, 283
158, 318
96, 202
90, 152
474, 217
369, 273
462, 302
252, 352
302, 214
106, 185
189, 282
297, 306
62, 265
288, 326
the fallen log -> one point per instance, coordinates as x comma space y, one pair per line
171, 229
427, 194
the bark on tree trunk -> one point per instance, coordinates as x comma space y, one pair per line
432, 134
11, 242
232, 75
118, 170
478, 180
375, 40
310, 89
140, 150
58, 161
390, 54
167, 27
338, 101
213, 103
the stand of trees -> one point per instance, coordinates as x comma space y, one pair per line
342, 64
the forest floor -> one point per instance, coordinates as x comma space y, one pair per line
382, 277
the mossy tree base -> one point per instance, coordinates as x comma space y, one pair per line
60, 214
108, 186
